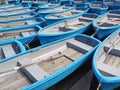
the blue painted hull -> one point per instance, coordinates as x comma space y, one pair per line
107, 82
102, 31
43, 13
101, 10
25, 3
62, 73
64, 2
54, 20
13, 1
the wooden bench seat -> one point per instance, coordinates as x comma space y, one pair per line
8, 50
114, 51
82, 47
33, 72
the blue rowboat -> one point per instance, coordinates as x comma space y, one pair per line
98, 7
58, 9
53, 18
64, 2
50, 5
82, 1
13, 12
17, 17
106, 62
107, 23
27, 2
13, 24
66, 28
47, 65
19, 33
13, 1
113, 4
38, 3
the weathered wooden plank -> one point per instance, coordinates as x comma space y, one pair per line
14, 82
59, 63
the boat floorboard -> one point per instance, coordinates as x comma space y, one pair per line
54, 65
14, 82
113, 61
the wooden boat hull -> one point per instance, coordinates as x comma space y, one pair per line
107, 28
78, 11
43, 13
62, 72
49, 37
107, 80
101, 9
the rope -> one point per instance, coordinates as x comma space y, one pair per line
27, 44
98, 88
